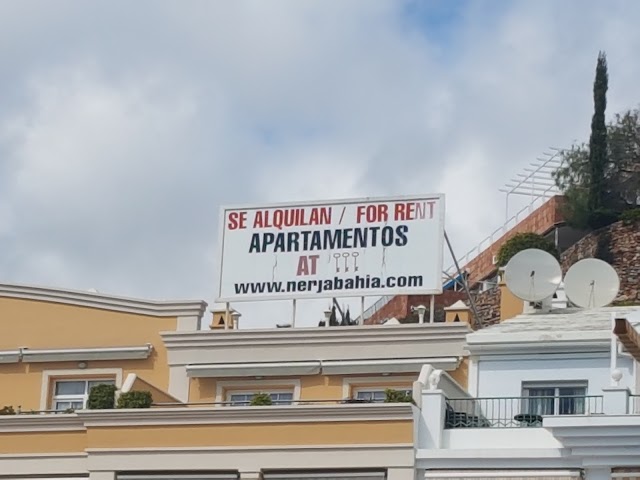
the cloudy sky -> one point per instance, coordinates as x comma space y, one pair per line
125, 125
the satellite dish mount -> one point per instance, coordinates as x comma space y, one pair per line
591, 283
533, 275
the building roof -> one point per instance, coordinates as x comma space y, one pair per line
102, 301
566, 329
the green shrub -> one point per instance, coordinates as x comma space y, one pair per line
356, 400
261, 399
397, 396
7, 410
102, 397
523, 241
630, 216
137, 399
602, 217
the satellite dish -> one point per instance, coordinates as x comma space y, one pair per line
591, 283
533, 275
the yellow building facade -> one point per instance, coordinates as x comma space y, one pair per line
328, 416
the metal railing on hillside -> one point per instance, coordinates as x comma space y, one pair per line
512, 412
489, 240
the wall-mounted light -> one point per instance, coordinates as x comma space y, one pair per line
82, 365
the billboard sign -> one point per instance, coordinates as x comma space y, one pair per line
340, 248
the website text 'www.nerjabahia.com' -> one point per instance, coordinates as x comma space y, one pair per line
329, 285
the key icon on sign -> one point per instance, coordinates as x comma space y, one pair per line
337, 257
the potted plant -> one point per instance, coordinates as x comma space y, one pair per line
102, 397
356, 400
261, 399
7, 410
135, 399
397, 396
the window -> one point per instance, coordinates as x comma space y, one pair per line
74, 393
326, 475
244, 398
377, 395
177, 476
561, 399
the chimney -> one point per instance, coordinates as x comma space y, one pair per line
510, 305
458, 312
531, 308
220, 322
560, 298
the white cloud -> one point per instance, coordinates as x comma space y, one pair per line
122, 134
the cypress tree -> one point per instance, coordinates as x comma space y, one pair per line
598, 151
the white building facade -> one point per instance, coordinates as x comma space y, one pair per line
551, 395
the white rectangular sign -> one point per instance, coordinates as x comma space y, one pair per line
341, 248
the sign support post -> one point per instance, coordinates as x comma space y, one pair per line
293, 313
472, 302
432, 309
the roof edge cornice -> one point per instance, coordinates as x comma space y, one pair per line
235, 415
524, 347
439, 332
155, 308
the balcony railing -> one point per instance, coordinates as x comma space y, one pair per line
516, 412
292, 403
281, 403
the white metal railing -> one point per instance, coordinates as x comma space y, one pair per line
489, 240
510, 412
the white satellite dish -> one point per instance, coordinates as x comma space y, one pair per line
591, 283
533, 275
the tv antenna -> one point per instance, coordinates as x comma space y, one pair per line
533, 275
591, 283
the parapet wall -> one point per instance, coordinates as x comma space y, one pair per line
400, 306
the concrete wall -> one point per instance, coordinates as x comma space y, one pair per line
499, 438
504, 377
36, 324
